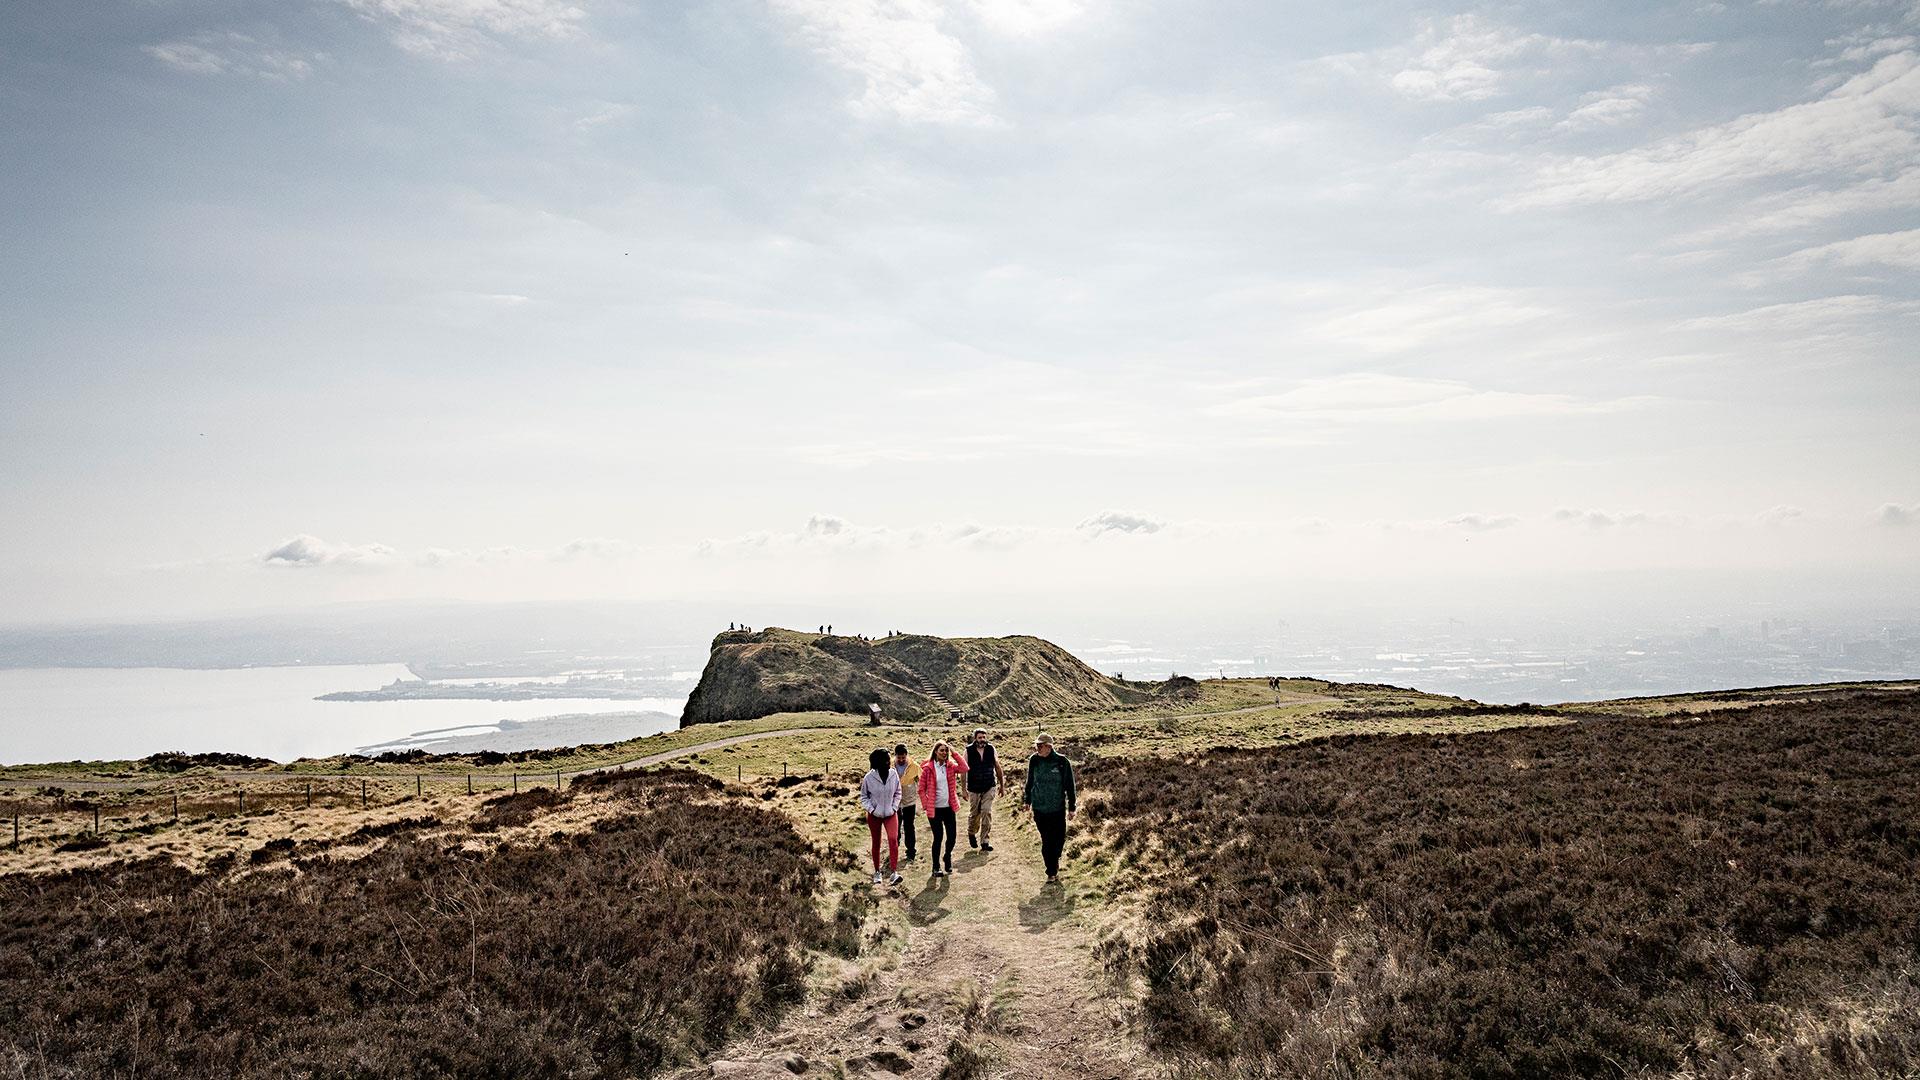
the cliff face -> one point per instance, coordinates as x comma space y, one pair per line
770, 671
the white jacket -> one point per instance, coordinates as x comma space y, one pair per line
880, 797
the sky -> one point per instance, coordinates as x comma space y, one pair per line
1046, 300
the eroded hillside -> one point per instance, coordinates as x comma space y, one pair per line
911, 676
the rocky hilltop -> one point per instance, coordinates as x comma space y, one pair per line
911, 676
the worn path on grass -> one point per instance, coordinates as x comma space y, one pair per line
990, 972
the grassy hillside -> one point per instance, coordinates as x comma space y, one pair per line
758, 673
1725, 895
1297, 879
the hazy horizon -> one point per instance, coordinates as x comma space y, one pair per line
985, 310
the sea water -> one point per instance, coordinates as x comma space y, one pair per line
68, 714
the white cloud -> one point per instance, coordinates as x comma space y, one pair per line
1463, 58
1516, 118
463, 29
1363, 398
1895, 515
596, 547
827, 525
1027, 18
1869, 45
234, 54
1822, 314
1810, 205
470, 557
1599, 519
828, 533
309, 551
1781, 515
913, 70
1611, 107
1864, 126
1897, 249
1421, 317
1120, 521
1483, 522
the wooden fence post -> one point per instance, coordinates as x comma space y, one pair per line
416, 785
469, 783
556, 783
736, 772
516, 783
363, 793
309, 794
96, 819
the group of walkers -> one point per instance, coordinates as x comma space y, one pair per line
896, 790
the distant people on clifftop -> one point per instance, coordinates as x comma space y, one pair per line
940, 780
880, 798
1050, 793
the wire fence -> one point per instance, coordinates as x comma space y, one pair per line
53, 812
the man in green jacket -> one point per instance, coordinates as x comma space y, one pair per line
1050, 794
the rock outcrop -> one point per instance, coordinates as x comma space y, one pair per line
758, 673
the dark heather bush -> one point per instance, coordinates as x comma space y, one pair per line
1730, 896
517, 809
173, 761
611, 953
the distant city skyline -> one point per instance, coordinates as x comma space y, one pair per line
999, 306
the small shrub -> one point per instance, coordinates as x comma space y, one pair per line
509, 811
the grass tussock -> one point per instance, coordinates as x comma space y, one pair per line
986, 1009
612, 952
1732, 896
966, 1059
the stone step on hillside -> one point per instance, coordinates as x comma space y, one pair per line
932, 691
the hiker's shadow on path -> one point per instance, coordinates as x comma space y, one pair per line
1053, 904
928, 906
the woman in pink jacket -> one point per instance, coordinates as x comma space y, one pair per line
942, 780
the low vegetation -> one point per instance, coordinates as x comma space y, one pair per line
1727, 894
650, 936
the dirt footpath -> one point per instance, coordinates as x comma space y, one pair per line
996, 977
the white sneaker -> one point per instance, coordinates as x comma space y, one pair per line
877, 877
895, 879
